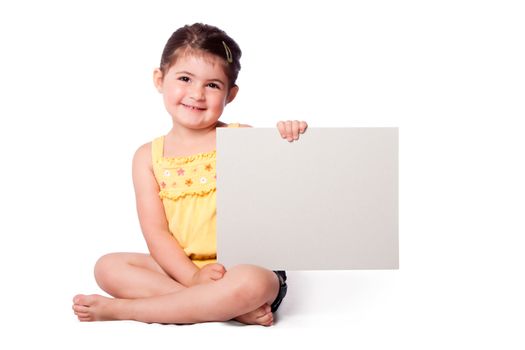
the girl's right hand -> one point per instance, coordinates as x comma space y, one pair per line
209, 273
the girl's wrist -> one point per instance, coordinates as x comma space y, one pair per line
194, 279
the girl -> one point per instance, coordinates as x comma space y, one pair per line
174, 179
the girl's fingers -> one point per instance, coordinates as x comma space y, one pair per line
302, 127
216, 271
219, 267
295, 129
216, 275
282, 129
288, 127
290, 130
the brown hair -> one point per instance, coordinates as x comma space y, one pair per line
205, 38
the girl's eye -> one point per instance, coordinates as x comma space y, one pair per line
185, 79
214, 86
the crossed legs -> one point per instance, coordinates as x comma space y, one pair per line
144, 292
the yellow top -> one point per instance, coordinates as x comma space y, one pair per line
187, 190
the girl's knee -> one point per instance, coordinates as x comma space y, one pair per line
105, 265
254, 283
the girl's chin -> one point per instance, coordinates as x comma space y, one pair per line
196, 124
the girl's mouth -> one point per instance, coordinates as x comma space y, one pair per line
194, 108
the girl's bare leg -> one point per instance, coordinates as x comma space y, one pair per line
134, 275
242, 289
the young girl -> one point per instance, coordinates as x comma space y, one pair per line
174, 179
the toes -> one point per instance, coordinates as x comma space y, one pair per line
261, 316
86, 300
80, 308
85, 319
77, 299
266, 320
263, 310
260, 312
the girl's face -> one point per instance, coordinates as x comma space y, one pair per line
195, 90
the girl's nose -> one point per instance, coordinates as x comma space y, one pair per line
197, 93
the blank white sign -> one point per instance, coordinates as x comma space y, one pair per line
327, 201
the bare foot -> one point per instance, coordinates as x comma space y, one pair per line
94, 308
262, 316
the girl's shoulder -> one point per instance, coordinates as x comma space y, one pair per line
142, 155
144, 149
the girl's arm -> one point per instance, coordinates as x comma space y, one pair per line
162, 246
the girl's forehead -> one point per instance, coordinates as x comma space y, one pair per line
204, 65
199, 57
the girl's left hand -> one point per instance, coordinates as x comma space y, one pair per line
209, 273
291, 129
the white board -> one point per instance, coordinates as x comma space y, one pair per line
326, 201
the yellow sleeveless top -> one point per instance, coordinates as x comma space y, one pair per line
188, 192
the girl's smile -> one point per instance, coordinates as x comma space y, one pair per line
194, 107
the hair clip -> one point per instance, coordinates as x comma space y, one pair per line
229, 56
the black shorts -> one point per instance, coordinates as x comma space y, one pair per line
283, 287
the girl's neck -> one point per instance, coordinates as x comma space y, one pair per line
182, 141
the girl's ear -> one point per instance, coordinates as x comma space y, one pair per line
233, 92
158, 78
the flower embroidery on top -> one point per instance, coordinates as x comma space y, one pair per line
178, 177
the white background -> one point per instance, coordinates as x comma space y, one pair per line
77, 100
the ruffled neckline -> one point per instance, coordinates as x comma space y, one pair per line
190, 158
184, 159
